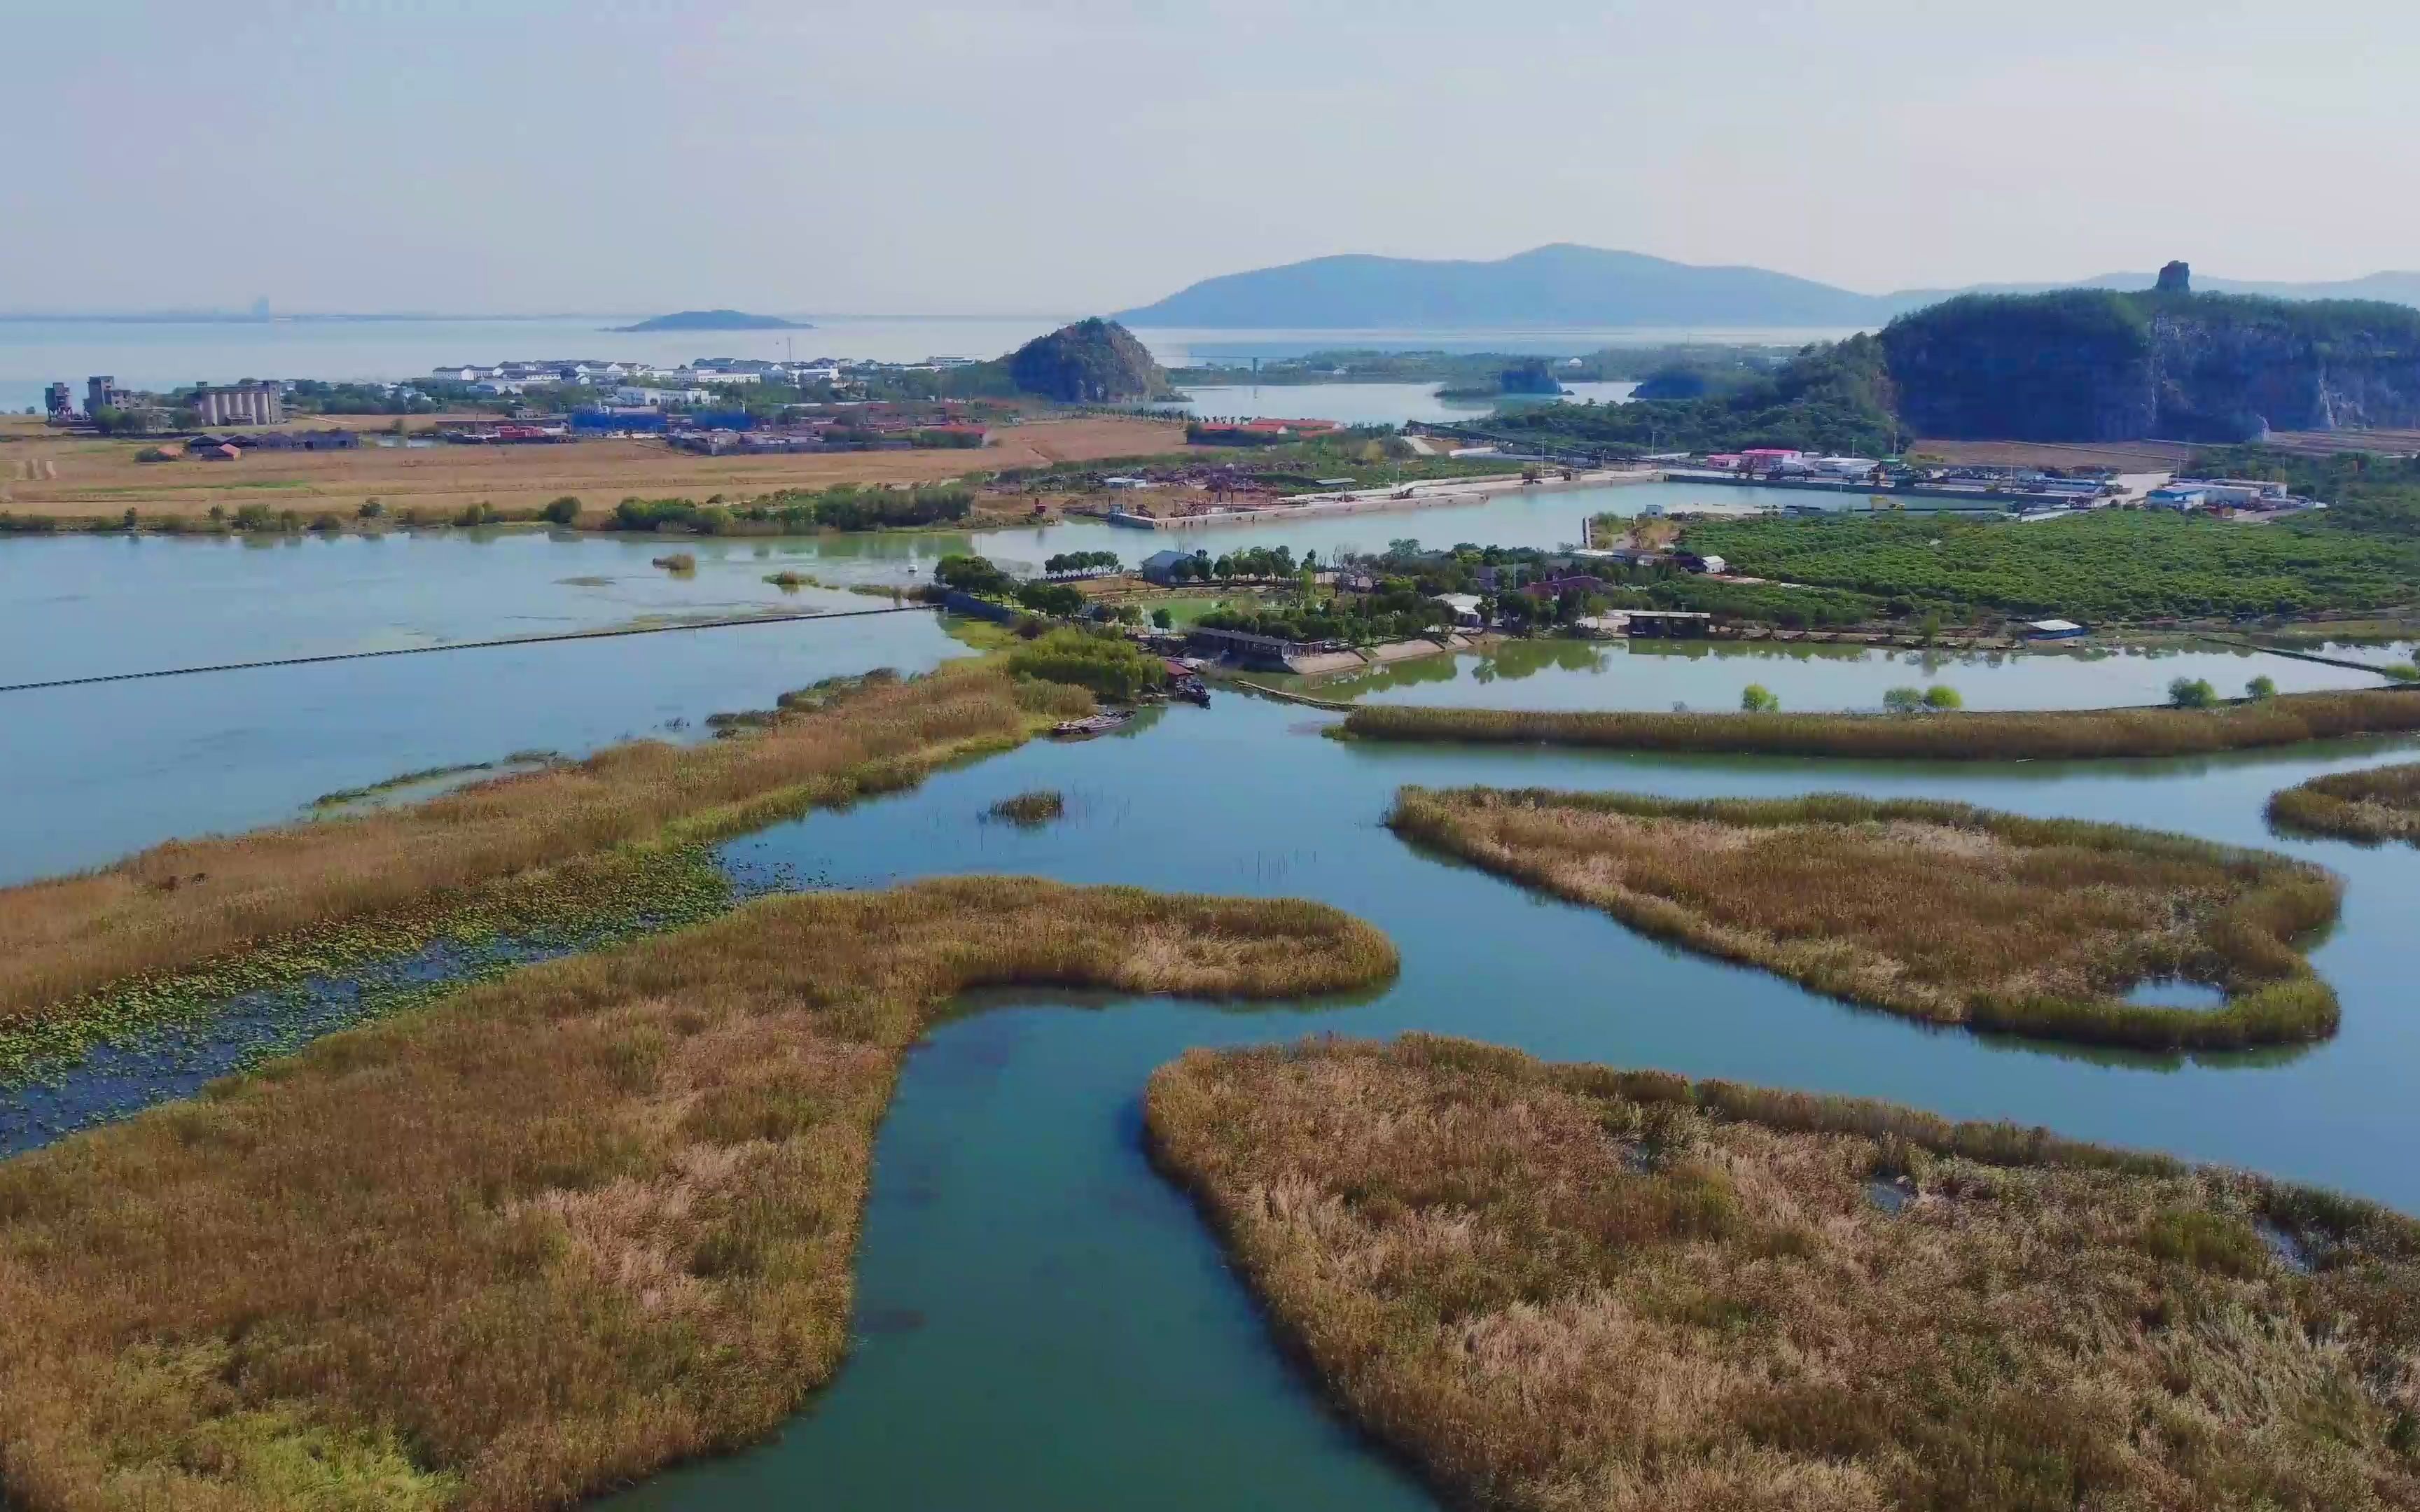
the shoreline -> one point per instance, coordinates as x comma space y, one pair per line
1373, 501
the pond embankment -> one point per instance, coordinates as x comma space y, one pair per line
2017, 735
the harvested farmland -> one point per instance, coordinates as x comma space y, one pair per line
186, 902
2030, 735
1561, 1286
1939, 911
547, 1234
2380, 804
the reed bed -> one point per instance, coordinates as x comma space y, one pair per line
1029, 811
2044, 736
1552, 1287
548, 1234
2380, 804
1938, 911
178, 905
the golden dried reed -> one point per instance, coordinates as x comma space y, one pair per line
1939, 911
2381, 803
188, 901
1568, 1286
549, 1234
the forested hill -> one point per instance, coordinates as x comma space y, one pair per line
1835, 397
2100, 365
2073, 365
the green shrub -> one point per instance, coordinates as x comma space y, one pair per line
2260, 688
1757, 698
1943, 695
563, 511
2192, 693
1110, 666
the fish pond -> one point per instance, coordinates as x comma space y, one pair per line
1815, 677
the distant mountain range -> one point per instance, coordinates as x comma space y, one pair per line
1567, 286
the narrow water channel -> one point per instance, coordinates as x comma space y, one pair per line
1041, 1321
1042, 1324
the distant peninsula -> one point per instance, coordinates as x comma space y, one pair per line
716, 320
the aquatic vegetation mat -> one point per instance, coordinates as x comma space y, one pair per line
1938, 911
1565, 1286
2380, 804
189, 904
143, 1042
545, 1235
2031, 736
1029, 811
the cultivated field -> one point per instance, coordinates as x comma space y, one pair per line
2125, 456
100, 478
548, 1234
1557, 1287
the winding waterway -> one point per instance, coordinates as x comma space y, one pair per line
1025, 1279
1041, 1321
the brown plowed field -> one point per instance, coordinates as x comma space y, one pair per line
100, 478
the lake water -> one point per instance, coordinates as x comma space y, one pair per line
75, 606
1042, 1321
1367, 404
166, 354
1712, 675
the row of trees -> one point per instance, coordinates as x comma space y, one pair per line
1070, 564
843, 508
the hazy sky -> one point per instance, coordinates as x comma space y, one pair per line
915, 157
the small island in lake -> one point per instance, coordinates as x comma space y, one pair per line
715, 320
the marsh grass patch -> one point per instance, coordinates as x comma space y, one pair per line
545, 1234
1477, 1260
2371, 806
1938, 911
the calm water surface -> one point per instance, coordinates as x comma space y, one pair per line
162, 354
98, 771
1043, 1323
1014, 1214
78, 606
1711, 675
1366, 403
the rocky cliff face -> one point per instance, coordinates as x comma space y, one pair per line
2090, 366
2237, 380
1092, 361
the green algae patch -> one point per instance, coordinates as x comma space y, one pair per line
1552, 1287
